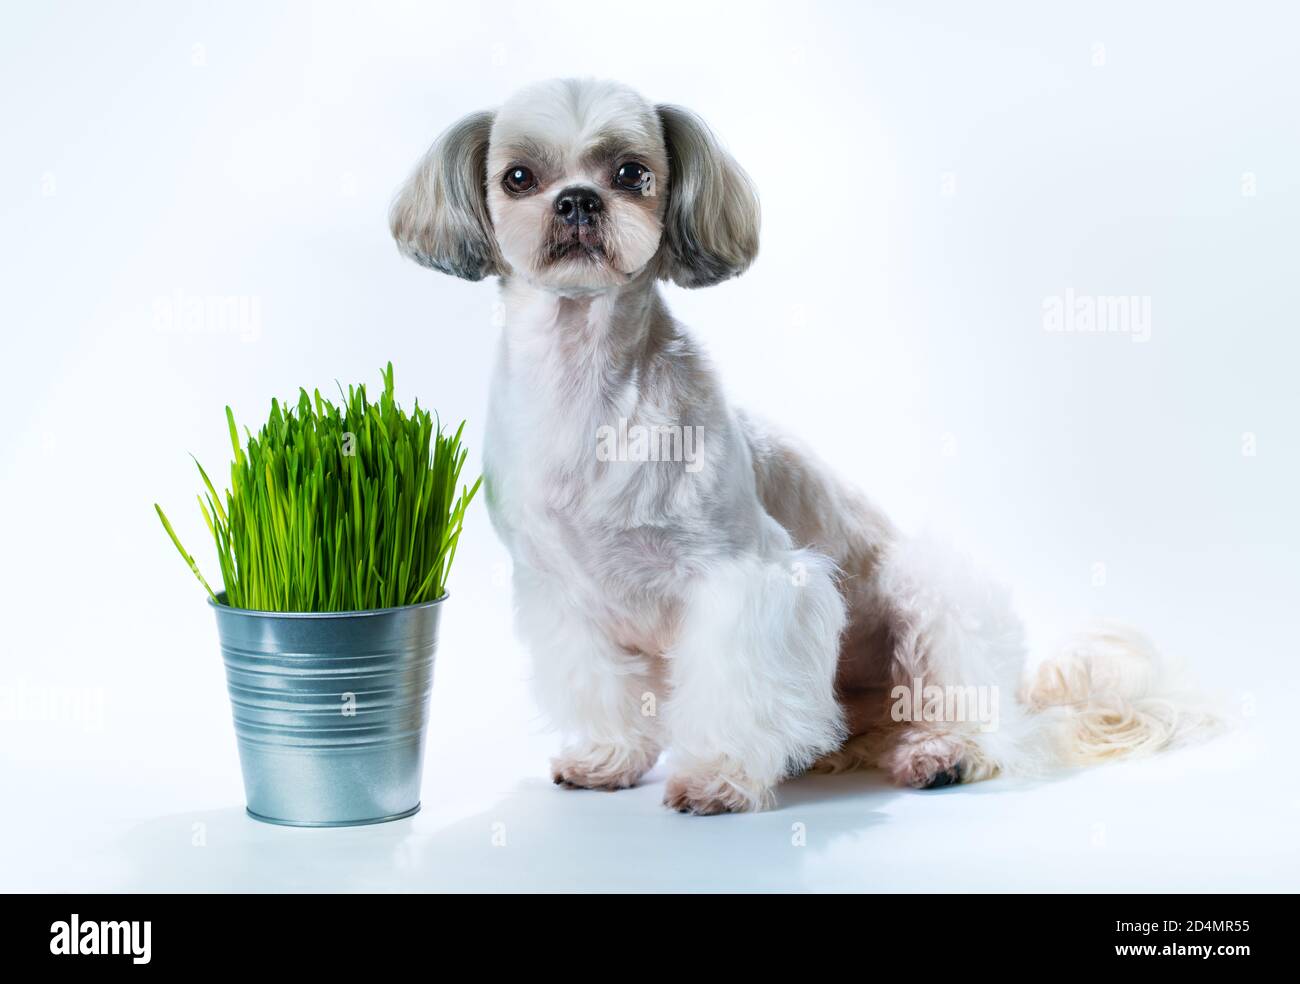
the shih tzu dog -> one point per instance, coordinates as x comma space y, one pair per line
687, 577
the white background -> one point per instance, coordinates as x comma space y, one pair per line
929, 177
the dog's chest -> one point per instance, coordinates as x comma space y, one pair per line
566, 510
570, 501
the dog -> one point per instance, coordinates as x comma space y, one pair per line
687, 577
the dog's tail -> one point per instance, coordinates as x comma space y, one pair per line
1108, 693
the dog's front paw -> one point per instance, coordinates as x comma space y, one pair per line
602, 766
709, 793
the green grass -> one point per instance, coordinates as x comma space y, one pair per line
330, 509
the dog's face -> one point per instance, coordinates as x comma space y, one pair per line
574, 175
578, 185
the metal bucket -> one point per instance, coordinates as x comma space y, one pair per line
330, 710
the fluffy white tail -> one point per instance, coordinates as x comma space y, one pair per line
1110, 694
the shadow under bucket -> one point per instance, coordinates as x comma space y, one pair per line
330, 710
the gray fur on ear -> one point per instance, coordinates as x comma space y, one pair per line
712, 219
440, 217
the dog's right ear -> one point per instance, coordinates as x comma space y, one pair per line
440, 217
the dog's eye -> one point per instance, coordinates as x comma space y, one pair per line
519, 180
630, 176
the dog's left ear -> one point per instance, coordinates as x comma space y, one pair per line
440, 217
712, 218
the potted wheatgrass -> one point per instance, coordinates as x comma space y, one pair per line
334, 541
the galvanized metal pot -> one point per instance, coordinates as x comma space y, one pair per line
330, 710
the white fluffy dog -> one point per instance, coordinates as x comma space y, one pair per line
687, 577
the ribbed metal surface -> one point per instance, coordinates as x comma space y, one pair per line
330, 710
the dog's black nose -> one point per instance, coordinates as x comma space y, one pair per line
578, 206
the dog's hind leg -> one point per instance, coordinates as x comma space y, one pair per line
957, 654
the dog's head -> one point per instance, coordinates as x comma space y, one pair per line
578, 185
